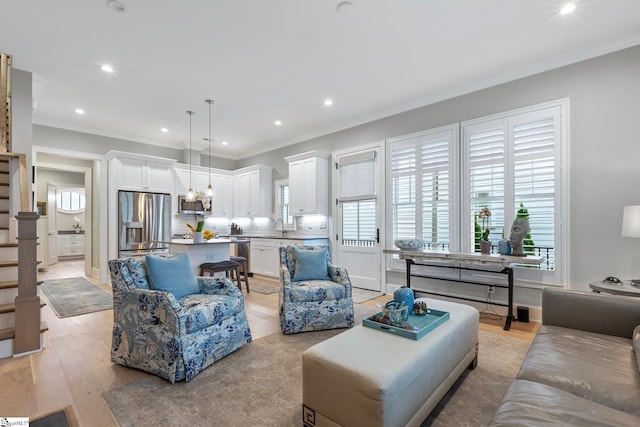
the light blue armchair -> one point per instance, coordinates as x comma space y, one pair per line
315, 304
174, 338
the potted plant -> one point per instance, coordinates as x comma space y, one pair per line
485, 245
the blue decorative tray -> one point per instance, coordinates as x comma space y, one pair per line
416, 328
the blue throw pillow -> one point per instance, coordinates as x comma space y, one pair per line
172, 274
311, 264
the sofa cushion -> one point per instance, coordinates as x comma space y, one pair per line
311, 264
316, 290
601, 368
204, 310
527, 403
172, 274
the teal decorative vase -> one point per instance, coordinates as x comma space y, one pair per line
405, 295
504, 247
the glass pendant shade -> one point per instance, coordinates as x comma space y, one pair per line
210, 191
190, 194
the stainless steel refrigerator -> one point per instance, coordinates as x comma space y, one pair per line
144, 224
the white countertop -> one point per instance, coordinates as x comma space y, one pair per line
253, 236
191, 242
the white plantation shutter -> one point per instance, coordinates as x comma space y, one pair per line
486, 147
422, 182
534, 177
403, 171
513, 160
436, 190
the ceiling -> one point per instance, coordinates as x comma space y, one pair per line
263, 61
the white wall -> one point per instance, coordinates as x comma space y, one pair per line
21, 127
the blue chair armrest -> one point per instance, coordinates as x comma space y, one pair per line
217, 286
340, 275
154, 309
285, 281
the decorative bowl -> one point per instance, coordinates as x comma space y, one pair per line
409, 244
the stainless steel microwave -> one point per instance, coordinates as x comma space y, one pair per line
190, 207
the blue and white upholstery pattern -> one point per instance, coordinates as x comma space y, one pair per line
173, 338
313, 305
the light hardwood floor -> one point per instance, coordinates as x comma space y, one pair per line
75, 368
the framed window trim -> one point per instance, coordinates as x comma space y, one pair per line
535, 279
279, 203
71, 191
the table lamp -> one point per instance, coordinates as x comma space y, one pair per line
631, 226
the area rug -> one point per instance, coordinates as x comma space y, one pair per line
361, 295
62, 418
263, 286
74, 296
261, 385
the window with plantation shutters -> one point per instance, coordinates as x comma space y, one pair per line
511, 162
422, 186
439, 180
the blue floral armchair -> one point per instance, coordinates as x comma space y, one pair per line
174, 338
313, 305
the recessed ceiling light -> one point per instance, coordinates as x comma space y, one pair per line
277, 123
225, 143
328, 102
116, 5
106, 68
567, 8
164, 130
79, 111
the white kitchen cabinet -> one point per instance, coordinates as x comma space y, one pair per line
222, 195
141, 174
265, 253
198, 178
309, 183
252, 192
71, 245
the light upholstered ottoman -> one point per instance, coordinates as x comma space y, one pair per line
367, 377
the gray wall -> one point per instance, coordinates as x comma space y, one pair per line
604, 151
95, 144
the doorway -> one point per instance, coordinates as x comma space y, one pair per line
65, 186
358, 215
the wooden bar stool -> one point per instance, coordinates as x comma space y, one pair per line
242, 262
228, 267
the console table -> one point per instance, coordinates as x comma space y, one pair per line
468, 262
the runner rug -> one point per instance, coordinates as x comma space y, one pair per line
261, 385
74, 296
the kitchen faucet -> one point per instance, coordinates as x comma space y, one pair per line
276, 224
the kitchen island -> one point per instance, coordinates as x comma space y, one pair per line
213, 250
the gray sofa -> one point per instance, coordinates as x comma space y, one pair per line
582, 368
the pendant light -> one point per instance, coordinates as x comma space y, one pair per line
190, 194
209, 188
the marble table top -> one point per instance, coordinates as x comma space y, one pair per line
466, 257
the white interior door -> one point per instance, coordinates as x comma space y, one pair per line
357, 216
